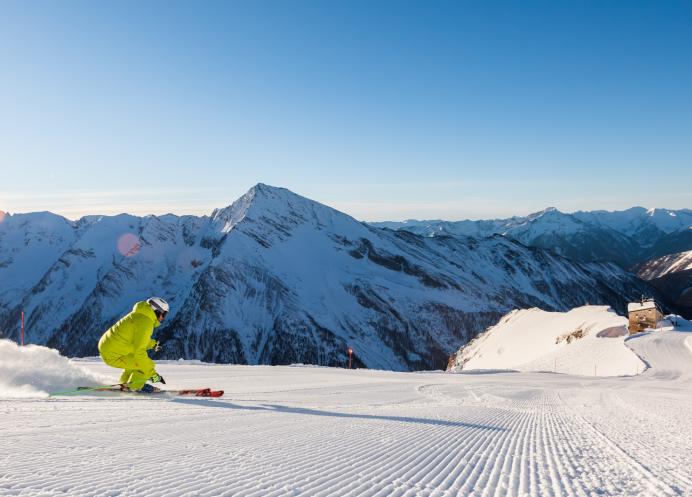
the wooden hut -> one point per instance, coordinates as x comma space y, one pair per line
643, 314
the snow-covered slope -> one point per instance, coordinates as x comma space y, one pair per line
325, 432
588, 340
624, 237
667, 351
276, 278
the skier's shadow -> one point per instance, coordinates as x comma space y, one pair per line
318, 412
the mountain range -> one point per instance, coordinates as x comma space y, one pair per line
276, 278
625, 237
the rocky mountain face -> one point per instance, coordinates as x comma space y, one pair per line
671, 275
662, 266
624, 237
276, 278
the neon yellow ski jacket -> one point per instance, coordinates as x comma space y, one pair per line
125, 344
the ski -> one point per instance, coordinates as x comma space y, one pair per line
191, 392
199, 392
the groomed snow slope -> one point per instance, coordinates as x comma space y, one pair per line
666, 351
588, 340
287, 431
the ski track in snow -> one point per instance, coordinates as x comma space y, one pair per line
284, 431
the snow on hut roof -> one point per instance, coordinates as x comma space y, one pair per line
640, 306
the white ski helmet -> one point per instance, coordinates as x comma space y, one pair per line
158, 304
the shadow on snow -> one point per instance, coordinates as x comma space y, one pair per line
317, 412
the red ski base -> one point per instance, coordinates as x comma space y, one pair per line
200, 392
192, 392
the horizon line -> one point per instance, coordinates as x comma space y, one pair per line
158, 210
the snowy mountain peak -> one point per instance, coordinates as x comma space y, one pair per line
546, 215
549, 220
261, 194
625, 237
547, 210
234, 213
659, 213
262, 189
280, 208
270, 199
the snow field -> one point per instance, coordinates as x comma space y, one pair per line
667, 353
587, 341
287, 431
590, 357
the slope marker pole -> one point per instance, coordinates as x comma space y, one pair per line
22, 328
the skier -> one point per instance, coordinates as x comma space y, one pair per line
125, 345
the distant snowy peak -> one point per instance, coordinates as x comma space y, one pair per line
536, 224
624, 237
669, 221
541, 223
549, 211
37, 221
29, 245
278, 207
228, 217
432, 228
628, 222
641, 222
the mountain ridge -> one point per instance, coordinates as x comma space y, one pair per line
276, 278
626, 237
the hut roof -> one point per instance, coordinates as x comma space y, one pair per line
640, 306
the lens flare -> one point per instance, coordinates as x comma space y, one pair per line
129, 244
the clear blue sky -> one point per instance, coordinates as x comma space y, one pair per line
382, 109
